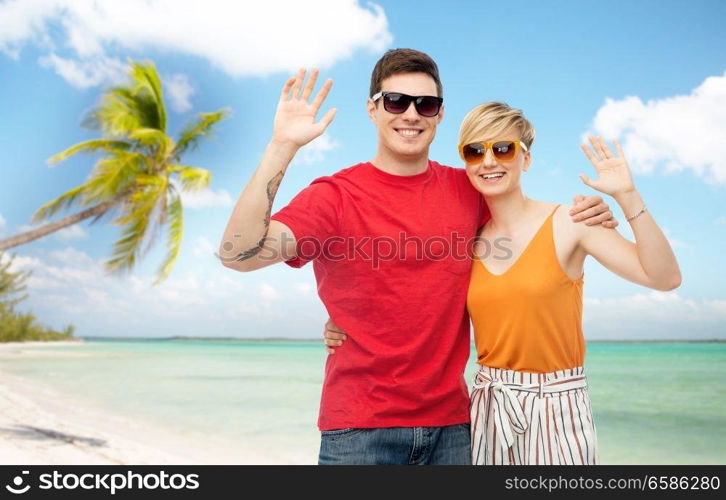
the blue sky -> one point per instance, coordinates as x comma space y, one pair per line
652, 74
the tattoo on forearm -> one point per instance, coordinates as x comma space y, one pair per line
272, 187
247, 254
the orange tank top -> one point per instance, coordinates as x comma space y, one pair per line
530, 317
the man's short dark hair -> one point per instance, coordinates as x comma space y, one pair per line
397, 61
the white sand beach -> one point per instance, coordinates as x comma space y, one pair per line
39, 425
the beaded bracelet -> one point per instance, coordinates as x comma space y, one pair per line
636, 215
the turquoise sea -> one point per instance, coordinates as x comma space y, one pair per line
654, 403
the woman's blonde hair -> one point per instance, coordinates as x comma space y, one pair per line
491, 119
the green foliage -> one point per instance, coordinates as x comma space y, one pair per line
11, 284
107, 145
192, 178
137, 218
197, 130
19, 327
65, 200
148, 83
140, 170
16, 326
174, 236
114, 174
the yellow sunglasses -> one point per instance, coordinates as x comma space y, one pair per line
474, 153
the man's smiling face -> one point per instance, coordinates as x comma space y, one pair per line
407, 135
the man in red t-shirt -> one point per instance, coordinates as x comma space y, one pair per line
388, 240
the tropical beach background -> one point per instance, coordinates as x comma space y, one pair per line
129, 129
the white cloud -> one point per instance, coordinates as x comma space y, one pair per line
315, 151
70, 284
268, 292
74, 232
207, 198
179, 90
683, 132
203, 248
72, 257
180, 291
664, 315
303, 288
3, 222
24, 20
675, 243
241, 38
72, 270
86, 73
20, 262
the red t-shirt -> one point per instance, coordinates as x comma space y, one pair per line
391, 263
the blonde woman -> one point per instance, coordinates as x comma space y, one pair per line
529, 402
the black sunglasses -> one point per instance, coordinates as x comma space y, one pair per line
397, 103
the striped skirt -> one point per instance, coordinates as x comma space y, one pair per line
522, 418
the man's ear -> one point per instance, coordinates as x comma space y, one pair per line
527, 161
371, 108
440, 116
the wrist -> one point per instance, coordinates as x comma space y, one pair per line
627, 197
283, 145
630, 202
282, 148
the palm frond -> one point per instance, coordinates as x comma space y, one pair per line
65, 200
146, 80
175, 234
157, 221
118, 114
196, 130
11, 284
139, 214
144, 180
114, 174
156, 141
107, 145
122, 110
192, 178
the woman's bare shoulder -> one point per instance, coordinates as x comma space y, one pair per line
563, 224
566, 226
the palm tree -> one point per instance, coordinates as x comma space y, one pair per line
139, 176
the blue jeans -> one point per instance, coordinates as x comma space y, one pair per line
448, 445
